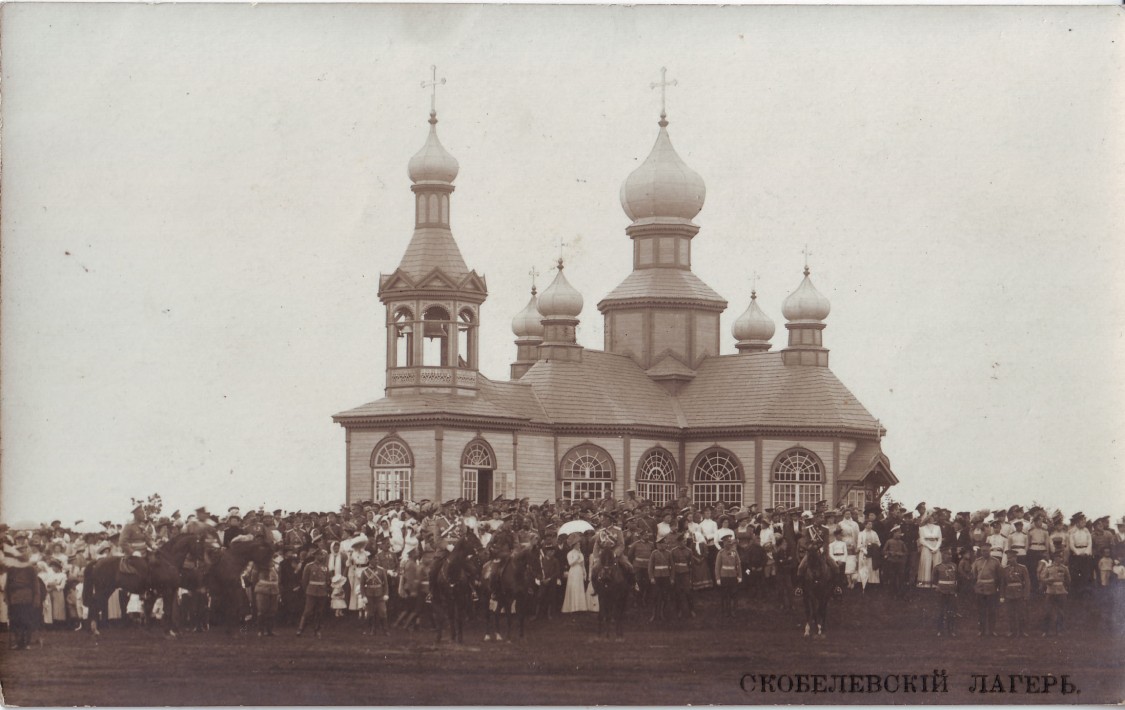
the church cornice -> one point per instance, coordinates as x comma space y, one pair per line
607, 304
435, 283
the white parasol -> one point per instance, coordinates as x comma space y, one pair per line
575, 526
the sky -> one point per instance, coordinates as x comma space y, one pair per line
198, 201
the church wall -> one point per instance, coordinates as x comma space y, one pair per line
706, 340
360, 483
423, 446
535, 471
744, 449
823, 448
670, 332
626, 335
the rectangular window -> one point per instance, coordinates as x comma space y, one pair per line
644, 252
583, 489
504, 484
393, 484
469, 485
658, 493
792, 495
711, 493
666, 253
857, 497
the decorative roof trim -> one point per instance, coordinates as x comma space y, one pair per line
608, 303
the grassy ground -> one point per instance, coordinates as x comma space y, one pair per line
562, 662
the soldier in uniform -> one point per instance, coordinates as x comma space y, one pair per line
894, 563
1054, 579
376, 589
728, 575
1014, 593
660, 570
134, 542
986, 585
945, 576
314, 582
681, 576
640, 551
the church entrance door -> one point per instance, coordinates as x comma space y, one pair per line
484, 486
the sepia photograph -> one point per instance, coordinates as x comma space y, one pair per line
480, 354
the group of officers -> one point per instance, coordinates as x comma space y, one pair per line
336, 559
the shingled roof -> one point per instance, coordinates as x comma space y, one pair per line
431, 248
758, 390
663, 284
601, 389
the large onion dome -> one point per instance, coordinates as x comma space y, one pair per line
753, 324
528, 323
806, 303
433, 163
663, 186
560, 299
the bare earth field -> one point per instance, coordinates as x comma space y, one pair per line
704, 660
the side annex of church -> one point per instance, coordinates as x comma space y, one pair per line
657, 410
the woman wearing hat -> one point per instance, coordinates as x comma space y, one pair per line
575, 598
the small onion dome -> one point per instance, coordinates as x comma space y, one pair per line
663, 185
433, 163
753, 324
528, 323
806, 303
560, 299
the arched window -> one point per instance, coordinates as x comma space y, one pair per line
392, 470
587, 472
466, 339
656, 476
435, 328
716, 476
478, 463
432, 212
798, 479
404, 338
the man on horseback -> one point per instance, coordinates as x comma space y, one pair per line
136, 543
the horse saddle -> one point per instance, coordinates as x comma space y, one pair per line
134, 566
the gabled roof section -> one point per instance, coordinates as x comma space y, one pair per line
758, 390
647, 285
602, 389
669, 366
868, 457
433, 248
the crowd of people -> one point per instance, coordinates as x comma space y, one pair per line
370, 562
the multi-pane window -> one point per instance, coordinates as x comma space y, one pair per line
476, 457
392, 472
798, 480
656, 477
587, 472
856, 498
716, 477
469, 484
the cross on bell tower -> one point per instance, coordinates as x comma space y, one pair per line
432, 85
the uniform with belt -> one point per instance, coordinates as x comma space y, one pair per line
728, 575
945, 582
660, 566
1015, 592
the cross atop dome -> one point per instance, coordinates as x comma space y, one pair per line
663, 84
432, 85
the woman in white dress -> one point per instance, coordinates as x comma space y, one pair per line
575, 598
866, 572
849, 528
929, 552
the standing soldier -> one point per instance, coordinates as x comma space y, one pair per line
1038, 540
640, 552
1017, 588
660, 564
1055, 581
681, 577
894, 563
267, 593
728, 575
377, 591
314, 580
1081, 544
986, 585
945, 576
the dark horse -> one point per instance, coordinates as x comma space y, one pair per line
611, 582
159, 573
511, 588
815, 580
451, 584
224, 578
